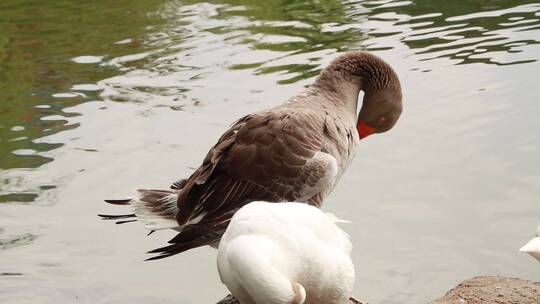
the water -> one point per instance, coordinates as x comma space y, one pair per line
96, 100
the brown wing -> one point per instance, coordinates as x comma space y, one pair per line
262, 156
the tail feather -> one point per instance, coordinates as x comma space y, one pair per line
177, 248
179, 185
158, 210
155, 208
116, 216
124, 222
119, 202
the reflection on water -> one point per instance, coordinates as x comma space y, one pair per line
16, 241
470, 32
155, 52
37, 41
81, 83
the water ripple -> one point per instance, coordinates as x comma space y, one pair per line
177, 51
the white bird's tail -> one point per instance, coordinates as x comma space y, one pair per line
532, 248
270, 285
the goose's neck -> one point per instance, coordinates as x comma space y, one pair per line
341, 93
351, 73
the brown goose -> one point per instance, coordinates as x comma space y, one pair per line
294, 152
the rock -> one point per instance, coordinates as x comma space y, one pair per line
487, 289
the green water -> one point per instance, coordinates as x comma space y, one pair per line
99, 98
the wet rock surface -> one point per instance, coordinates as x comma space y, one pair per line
490, 289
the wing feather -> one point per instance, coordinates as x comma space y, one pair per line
263, 156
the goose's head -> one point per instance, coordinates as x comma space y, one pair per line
353, 72
380, 111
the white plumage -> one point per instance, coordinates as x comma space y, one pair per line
533, 246
286, 253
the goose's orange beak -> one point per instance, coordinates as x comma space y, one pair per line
364, 130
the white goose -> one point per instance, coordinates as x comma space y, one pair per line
287, 253
533, 246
